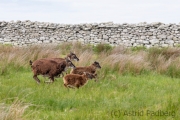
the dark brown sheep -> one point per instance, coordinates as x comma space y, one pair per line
75, 80
49, 68
90, 69
70, 56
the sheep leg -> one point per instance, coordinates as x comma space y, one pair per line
47, 81
51, 80
36, 78
95, 77
62, 74
78, 86
70, 86
65, 86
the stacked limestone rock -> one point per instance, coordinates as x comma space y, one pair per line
24, 33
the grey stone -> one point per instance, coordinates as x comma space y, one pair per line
105, 37
80, 40
170, 37
148, 46
7, 39
149, 33
143, 37
175, 38
27, 32
146, 42
125, 30
139, 41
42, 38
162, 36
154, 41
169, 41
33, 40
164, 45
46, 41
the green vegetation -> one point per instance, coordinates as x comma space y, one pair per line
132, 84
138, 48
102, 48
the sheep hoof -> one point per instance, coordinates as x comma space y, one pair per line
69, 86
48, 81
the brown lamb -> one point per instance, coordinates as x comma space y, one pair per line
49, 68
90, 69
75, 80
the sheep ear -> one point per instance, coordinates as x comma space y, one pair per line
96, 62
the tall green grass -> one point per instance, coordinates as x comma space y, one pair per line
130, 80
96, 100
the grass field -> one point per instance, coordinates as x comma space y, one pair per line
133, 84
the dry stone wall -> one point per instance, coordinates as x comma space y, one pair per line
24, 33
